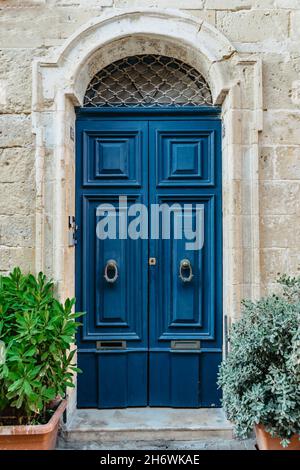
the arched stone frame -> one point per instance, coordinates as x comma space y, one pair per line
235, 80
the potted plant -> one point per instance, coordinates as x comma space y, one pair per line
36, 333
260, 377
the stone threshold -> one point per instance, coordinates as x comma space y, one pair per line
146, 424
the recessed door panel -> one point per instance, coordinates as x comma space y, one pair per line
117, 308
111, 155
184, 156
174, 379
184, 300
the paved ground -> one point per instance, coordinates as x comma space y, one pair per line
148, 419
204, 444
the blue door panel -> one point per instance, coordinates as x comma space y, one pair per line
149, 157
174, 379
185, 172
185, 310
111, 154
118, 310
159, 378
185, 153
87, 381
122, 379
184, 379
210, 395
112, 161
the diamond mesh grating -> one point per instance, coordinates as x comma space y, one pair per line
148, 80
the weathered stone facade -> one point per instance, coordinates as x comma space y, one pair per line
261, 203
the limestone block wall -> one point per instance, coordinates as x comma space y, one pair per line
268, 29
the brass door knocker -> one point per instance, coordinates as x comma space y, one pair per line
185, 270
111, 273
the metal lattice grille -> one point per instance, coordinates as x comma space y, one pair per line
148, 80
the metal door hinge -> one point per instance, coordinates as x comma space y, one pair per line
226, 335
72, 230
72, 133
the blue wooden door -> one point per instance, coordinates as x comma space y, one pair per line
154, 336
185, 326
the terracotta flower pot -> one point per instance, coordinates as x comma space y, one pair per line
266, 442
32, 437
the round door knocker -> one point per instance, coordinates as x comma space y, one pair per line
111, 273
185, 270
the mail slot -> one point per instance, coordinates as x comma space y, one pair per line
185, 344
111, 344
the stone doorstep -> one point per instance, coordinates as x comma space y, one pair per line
197, 445
146, 424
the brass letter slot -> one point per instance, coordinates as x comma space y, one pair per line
185, 344
111, 344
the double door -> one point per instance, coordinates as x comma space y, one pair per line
148, 259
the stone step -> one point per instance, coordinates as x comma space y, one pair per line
146, 424
199, 445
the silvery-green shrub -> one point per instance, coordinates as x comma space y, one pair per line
260, 377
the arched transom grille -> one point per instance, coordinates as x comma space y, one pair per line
148, 80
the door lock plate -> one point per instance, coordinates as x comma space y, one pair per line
152, 261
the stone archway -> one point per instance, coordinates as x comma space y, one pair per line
59, 84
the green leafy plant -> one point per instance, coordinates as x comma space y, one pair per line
261, 376
37, 331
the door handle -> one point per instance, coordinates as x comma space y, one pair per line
111, 272
185, 270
